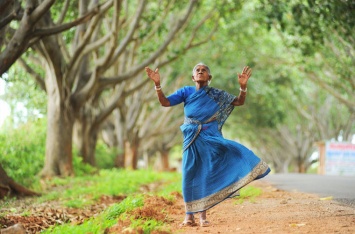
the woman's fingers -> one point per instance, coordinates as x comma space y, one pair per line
247, 71
149, 71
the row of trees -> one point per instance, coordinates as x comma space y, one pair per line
89, 71
320, 39
88, 58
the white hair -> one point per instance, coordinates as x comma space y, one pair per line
201, 64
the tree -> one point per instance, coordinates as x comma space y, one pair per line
9, 187
140, 126
324, 31
17, 41
140, 45
29, 30
96, 70
103, 54
270, 121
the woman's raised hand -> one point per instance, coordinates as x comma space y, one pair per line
244, 77
153, 75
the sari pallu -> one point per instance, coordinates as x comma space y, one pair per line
213, 168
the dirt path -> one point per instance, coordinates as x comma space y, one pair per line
276, 211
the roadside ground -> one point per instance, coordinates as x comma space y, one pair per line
274, 211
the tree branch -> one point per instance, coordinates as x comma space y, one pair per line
19, 42
162, 20
78, 54
103, 62
13, 15
135, 70
129, 35
39, 80
106, 112
63, 12
348, 103
65, 27
40, 10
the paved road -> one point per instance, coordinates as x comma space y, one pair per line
342, 188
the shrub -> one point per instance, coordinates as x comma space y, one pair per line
22, 151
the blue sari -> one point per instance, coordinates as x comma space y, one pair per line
213, 168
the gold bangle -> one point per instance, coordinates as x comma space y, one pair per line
157, 87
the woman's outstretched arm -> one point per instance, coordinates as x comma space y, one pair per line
243, 80
155, 77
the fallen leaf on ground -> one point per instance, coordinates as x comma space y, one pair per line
326, 198
297, 224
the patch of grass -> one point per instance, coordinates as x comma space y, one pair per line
6, 202
82, 191
169, 190
248, 193
26, 213
104, 220
147, 226
173, 186
117, 182
78, 203
128, 204
90, 226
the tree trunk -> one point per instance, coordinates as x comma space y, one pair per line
8, 187
135, 156
85, 139
128, 155
164, 157
300, 165
131, 154
118, 123
88, 148
134, 150
59, 155
120, 160
90, 145
60, 111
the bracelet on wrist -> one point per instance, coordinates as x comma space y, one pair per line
157, 87
243, 90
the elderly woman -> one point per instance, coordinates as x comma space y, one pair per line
213, 168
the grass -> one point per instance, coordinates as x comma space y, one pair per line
81, 191
85, 190
104, 220
127, 204
146, 225
248, 193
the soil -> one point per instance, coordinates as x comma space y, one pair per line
278, 211
274, 211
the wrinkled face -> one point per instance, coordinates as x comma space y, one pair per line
201, 74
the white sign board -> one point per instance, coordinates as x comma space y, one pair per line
340, 159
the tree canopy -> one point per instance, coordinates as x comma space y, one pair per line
82, 62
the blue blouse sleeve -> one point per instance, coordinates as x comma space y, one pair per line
179, 95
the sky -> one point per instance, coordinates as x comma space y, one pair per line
4, 107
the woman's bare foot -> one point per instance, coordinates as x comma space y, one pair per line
203, 221
189, 221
